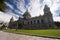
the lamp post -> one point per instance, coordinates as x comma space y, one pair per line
17, 26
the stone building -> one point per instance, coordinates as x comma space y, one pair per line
28, 22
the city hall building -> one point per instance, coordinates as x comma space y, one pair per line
28, 22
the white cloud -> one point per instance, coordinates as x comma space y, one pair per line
21, 5
56, 19
9, 12
55, 6
4, 17
9, 5
34, 7
48, 2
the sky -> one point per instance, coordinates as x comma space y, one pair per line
16, 8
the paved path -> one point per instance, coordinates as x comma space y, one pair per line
11, 36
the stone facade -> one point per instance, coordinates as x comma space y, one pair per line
28, 22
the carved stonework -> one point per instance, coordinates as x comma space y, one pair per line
40, 22
26, 15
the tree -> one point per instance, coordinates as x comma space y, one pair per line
2, 5
2, 27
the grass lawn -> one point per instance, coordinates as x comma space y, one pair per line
47, 32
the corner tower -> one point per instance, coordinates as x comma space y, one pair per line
48, 14
11, 23
47, 11
12, 20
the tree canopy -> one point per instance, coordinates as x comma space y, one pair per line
2, 5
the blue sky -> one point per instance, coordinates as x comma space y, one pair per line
17, 8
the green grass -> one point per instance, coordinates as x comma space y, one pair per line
48, 32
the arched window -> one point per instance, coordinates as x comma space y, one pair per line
34, 21
28, 22
42, 21
38, 21
31, 22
